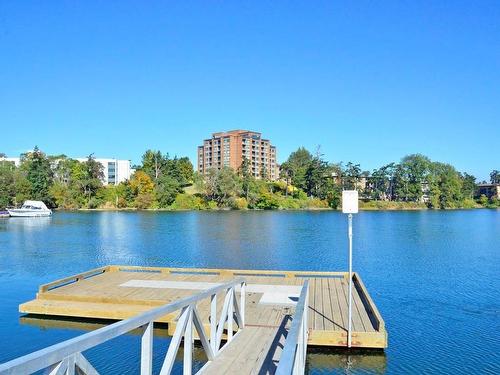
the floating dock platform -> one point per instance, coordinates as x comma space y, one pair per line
120, 292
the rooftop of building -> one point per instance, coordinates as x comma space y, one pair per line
488, 185
235, 131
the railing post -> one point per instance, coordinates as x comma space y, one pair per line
300, 352
147, 350
213, 323
293, 357
305, 326
71, 365
349, 315
230, 315
188, 344
242, 303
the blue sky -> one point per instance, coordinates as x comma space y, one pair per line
368, 81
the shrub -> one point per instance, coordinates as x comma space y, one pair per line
299, 194
316, 203
122, 202
469, 203
144, 200
188, 202
267, 201
390, 205
212, 205
483, 200
239, 204
93, 203
495, 202
290, 203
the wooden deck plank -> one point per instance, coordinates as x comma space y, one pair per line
246, 354
318, 305
337, 317
341, 302
327, 306
357, 324
363, 314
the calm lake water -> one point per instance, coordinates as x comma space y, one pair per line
435, 276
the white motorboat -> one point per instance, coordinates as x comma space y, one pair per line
31, 209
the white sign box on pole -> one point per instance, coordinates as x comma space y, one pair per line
350, 202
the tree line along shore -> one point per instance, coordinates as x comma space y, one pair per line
307, 181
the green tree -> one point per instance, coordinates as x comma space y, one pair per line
246, 176
483, 200
63, 167
23, 187
333, 193
468, 185
445, 186
7, 184
264, 173
143, 189
298, 164
62, 196
416, 168
94, 174
317, 175
285, 174
124, 195
86, 180
267, 201
186, 171
153, 163
351, 176
39, 175
381, 185
495, 177
222, 185
410, 176
166, 190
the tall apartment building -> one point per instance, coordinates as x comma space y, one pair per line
229, 149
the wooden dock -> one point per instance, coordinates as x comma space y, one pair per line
120, 292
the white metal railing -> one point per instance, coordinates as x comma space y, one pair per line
66, 357
293, 357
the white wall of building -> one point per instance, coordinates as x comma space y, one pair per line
115, 170
16, 161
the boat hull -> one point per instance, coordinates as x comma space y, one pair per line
29, 213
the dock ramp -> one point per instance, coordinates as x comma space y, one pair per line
246, 351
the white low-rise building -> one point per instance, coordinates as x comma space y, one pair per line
16, 161
115, 170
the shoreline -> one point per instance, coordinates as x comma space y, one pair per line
367, 209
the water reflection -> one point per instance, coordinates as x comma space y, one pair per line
326, 361
113, 230
25, 224
44, 322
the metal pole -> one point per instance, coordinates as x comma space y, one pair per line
350, 284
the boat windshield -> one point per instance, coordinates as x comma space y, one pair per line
29, 207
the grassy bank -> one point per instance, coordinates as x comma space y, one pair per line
187, 202
389, 205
